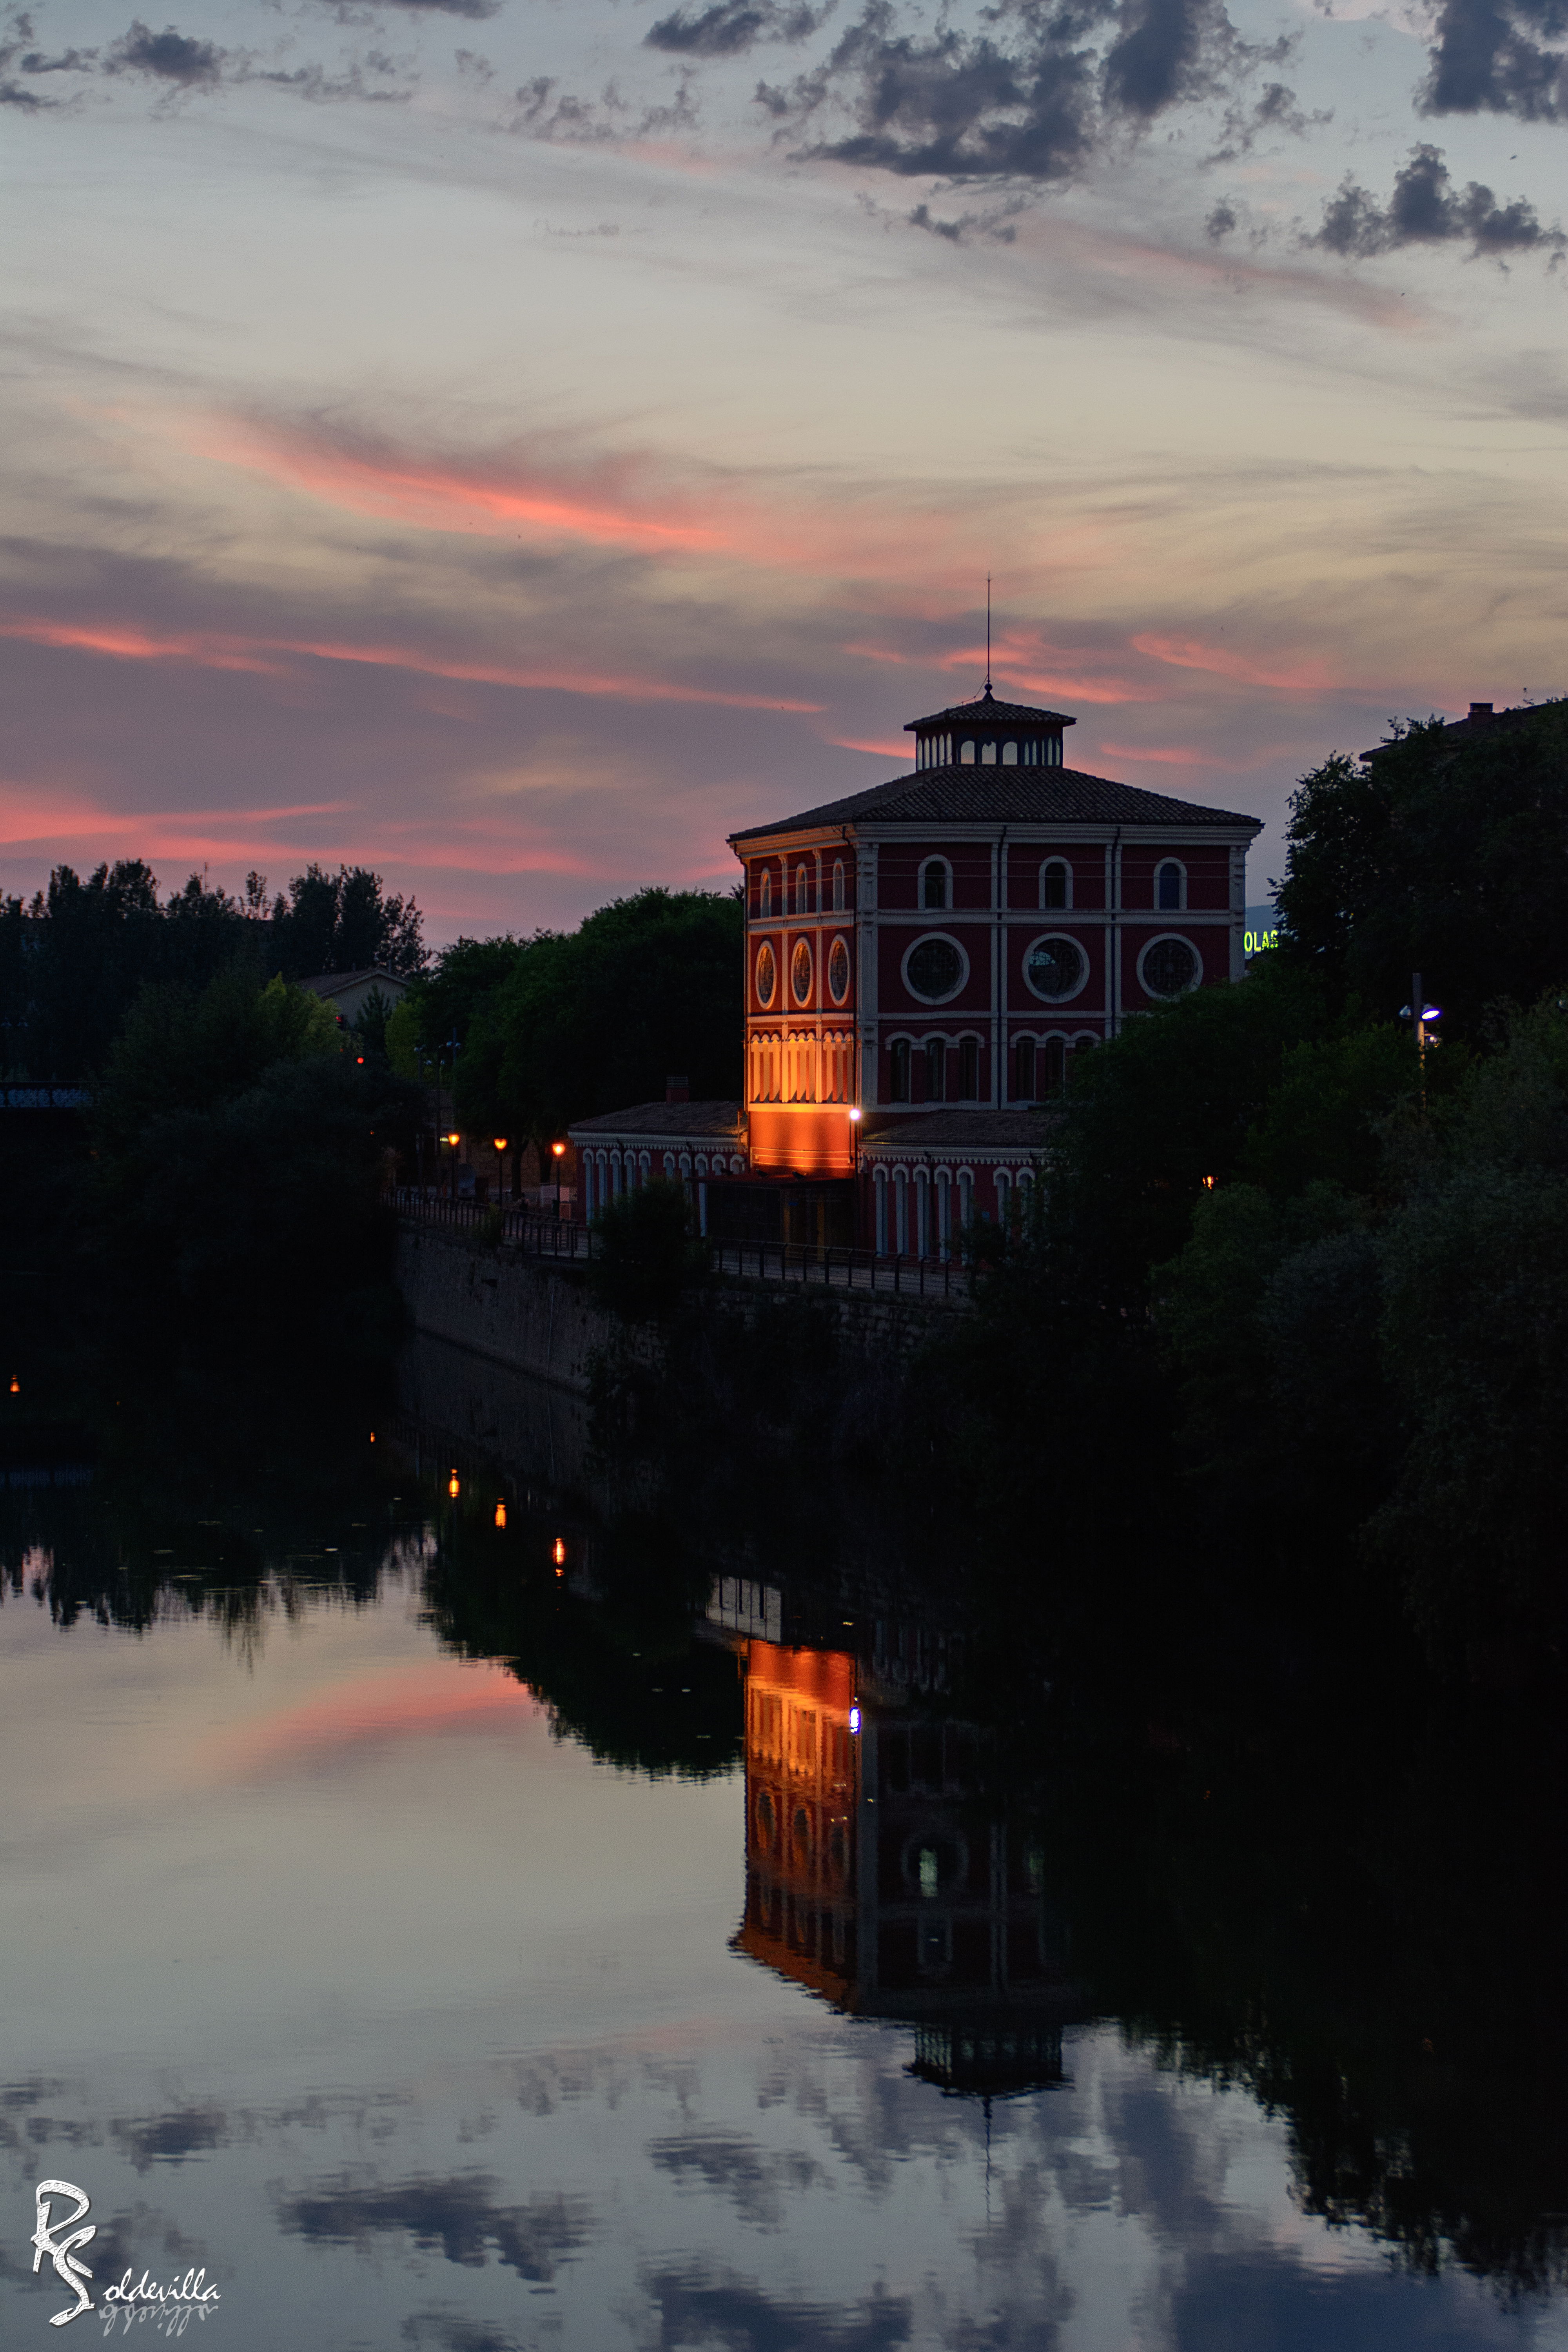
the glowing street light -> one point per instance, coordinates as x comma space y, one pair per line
559, 1150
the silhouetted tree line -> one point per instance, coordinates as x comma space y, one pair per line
74, 958
1287, 1294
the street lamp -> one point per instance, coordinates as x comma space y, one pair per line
559, 1149
499, 1142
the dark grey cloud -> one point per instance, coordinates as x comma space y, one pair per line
458, 2215
729, 2164
1498, 57
1221, 222
1031, 97
993, 223
698, 2306
170, 2139
167, 56
1426, 208
729, 28
544, 110
476, 9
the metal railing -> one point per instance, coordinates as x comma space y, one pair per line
804, 1264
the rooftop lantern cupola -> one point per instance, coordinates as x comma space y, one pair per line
987, 733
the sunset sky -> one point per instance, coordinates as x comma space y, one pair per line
516, 442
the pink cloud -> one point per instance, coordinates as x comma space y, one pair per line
1218, 661
414, 1702
216, 652
617, 502
902, 752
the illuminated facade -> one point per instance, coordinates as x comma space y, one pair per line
925, 961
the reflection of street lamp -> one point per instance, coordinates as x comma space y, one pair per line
558, 1148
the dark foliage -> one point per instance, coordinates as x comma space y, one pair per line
1434, 856
647, 1252
74, 959
596, 1020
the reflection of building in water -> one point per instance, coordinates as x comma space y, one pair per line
877, 1876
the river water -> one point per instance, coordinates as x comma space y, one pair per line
434, 1947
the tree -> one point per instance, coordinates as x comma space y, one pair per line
345, 921
598, 1019
1438, 856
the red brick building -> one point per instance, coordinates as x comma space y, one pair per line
924, 960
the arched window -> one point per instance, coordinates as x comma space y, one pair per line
988, 755
899, 1070
838, 885
765, 894
802, 891
1024, 1070
1009, 755
933, 882
968, 1069
966, 752
1056, 1064
936, 1070
1170, 891
1055, 883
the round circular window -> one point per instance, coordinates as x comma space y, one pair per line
799, 972
935, 968
1169, 967
838, 970
1056, 967
767, 974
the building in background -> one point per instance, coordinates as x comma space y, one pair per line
925, 960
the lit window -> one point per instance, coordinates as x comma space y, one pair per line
839, 972
933, 883
935, 968
1055, 883
1055, 967
767, 974
1168, 887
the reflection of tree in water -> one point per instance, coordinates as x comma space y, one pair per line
242, 1498
1344, 1895
603, 1637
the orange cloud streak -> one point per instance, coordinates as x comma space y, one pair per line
404, 1703
214, 652
135, 645
513, 496
1217, 661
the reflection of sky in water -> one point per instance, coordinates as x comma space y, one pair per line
330, 1968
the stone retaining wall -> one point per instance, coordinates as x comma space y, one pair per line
539, 1317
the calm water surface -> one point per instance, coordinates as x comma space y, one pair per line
338, 1962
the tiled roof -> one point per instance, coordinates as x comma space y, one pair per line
992, 713
666, 1121
964, 1127
1002, 796
334, 983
